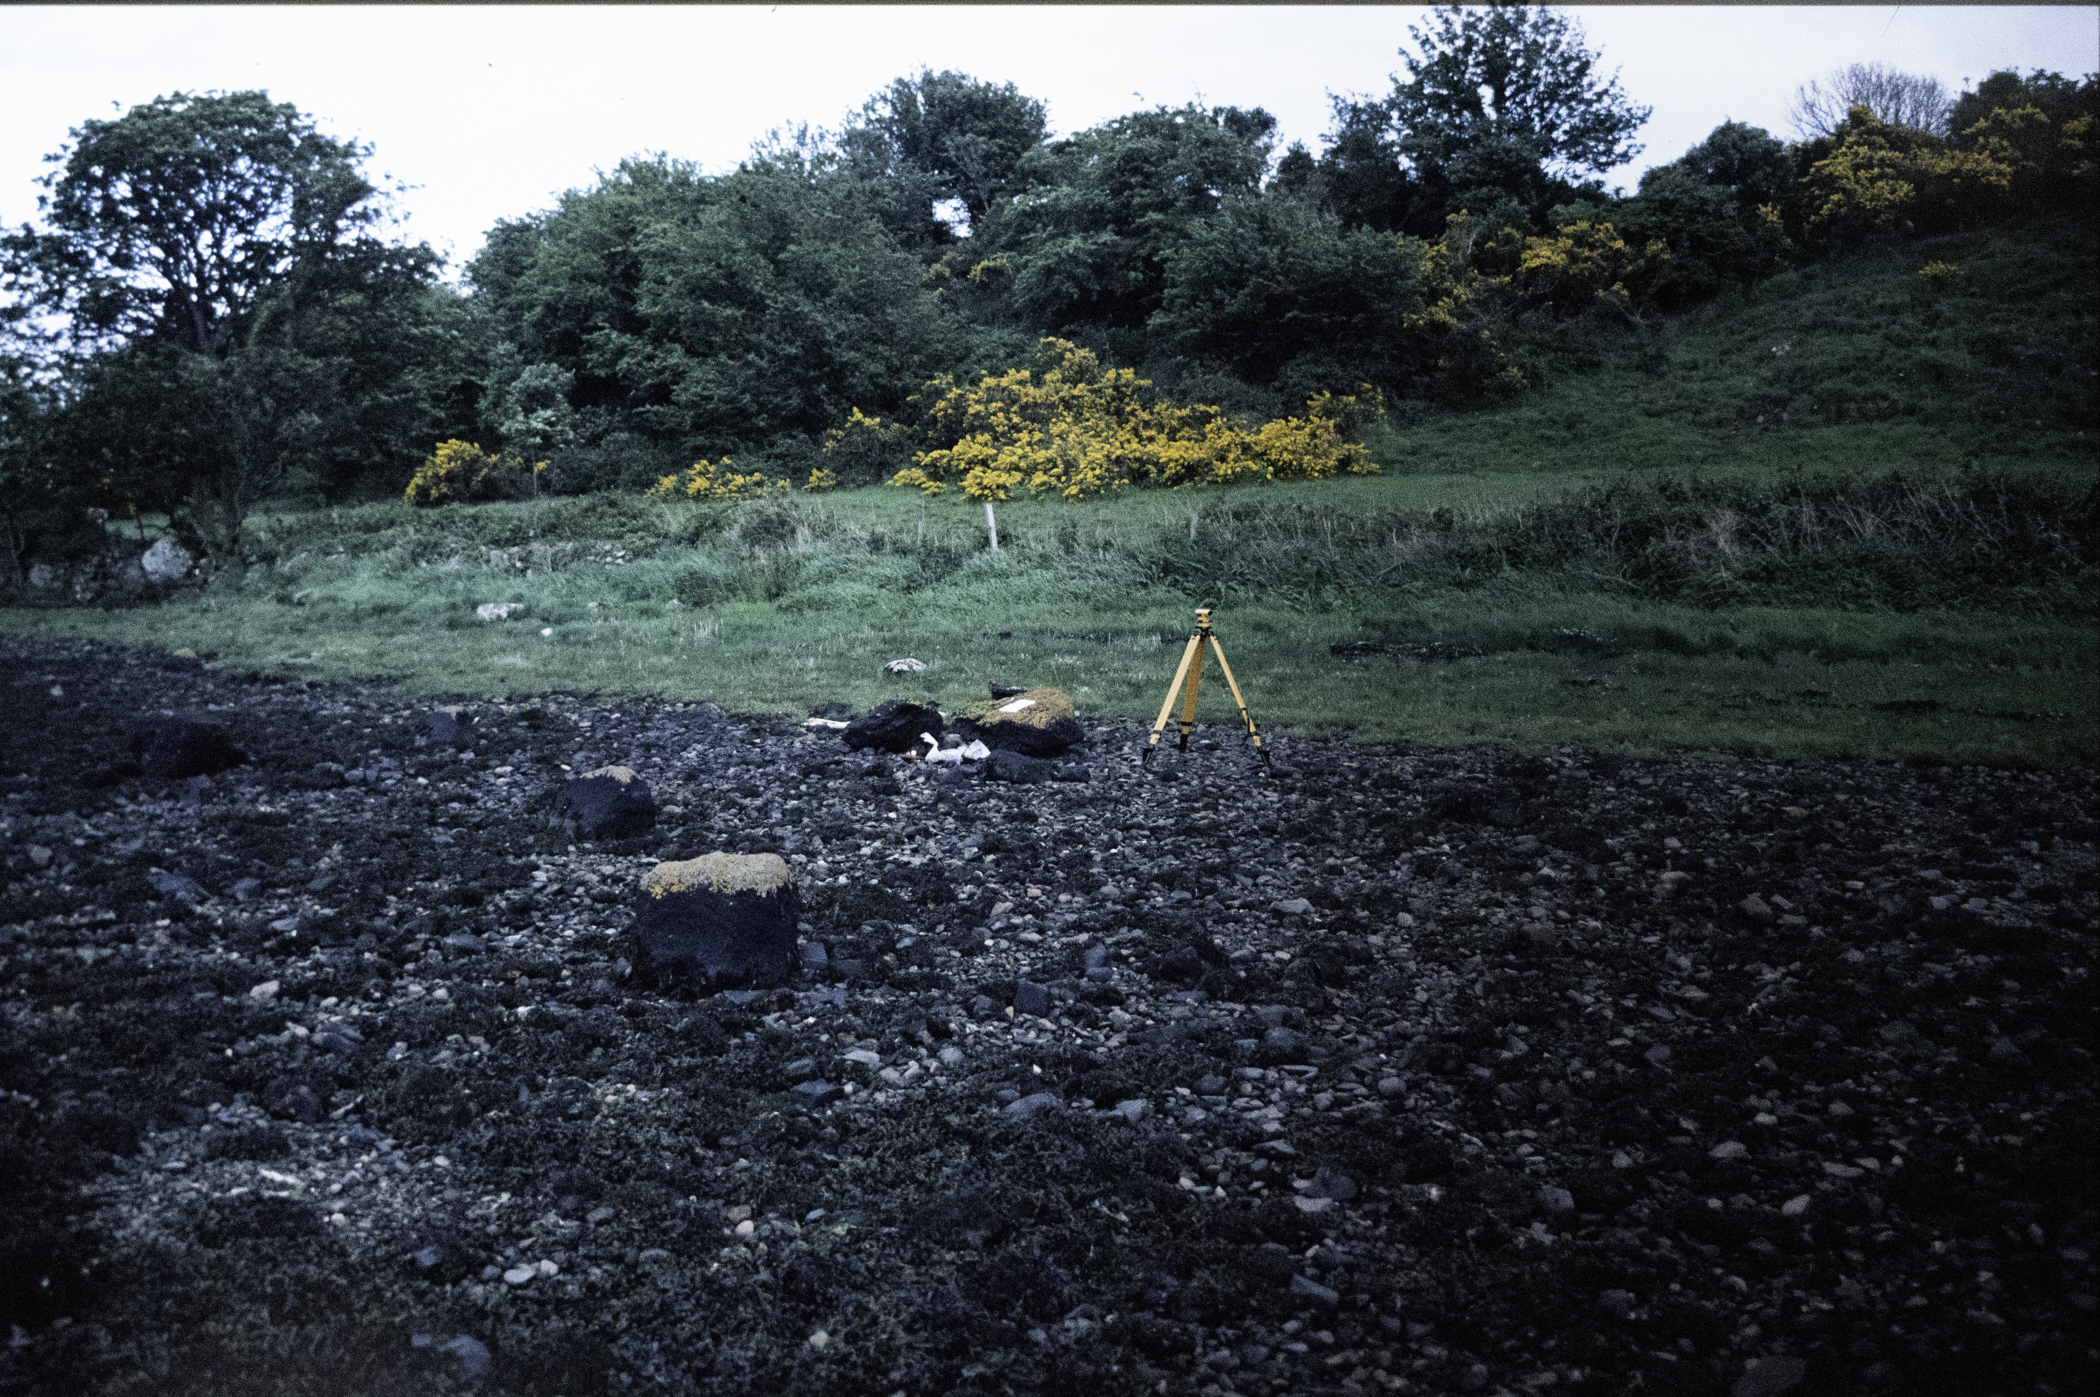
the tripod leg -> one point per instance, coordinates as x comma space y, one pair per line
1159, 724
1188, 700
1237, 698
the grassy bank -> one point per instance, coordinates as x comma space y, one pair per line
1877, 618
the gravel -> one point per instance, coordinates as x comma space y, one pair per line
1413, 1070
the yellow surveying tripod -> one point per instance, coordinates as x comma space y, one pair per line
1192, 670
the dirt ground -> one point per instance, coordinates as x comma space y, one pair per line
1405, 1070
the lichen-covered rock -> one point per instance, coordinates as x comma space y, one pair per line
721, 921
181, 745
1038, 723
893, 726
609, 803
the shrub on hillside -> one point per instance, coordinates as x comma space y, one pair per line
1078, 430
460, 472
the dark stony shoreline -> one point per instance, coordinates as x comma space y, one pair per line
1424, 1071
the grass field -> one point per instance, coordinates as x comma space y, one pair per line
1835, 516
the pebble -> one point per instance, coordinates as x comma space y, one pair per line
1618, 1303
951, 1056
519, 1275
1312, 1290
1556, 1200
1728, 1149
1292, 907
1794, 1207
1022, 1108
1032, 998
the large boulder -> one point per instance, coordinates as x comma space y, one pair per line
181, 745
893, 726
609, 803
1038, 723
717, 922
166, 562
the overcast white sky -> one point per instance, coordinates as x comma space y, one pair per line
493, 112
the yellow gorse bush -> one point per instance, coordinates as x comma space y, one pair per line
720, 481
460, 471
1077, 430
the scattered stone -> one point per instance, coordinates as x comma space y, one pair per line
520, 1275
450, 726
1038, 723
907, 665
1021, 1108
1292, 907
951, 1056
40, 855
181, 744
176, 885
1774, 1375
1616, 1303
1671, 884
609, 803
818, 1092
1728, 1149
1018, 769
715, 922
1306, 1289
497, 610
1758, 910
1794, 1207
265, 992
1556, 1200
473, 1355
1133, 1110
1032, 998
1331, 1183
893, 726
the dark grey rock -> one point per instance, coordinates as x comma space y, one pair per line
1556, 1200
1331, 1183
1019, 769
451, 726
464, 941
1617, 1303
1032, 998
1312, 1290
1021, 1108
187, 889
473, 1355
609, 803
716, 922
893, 726
1771, 1376
180, 745
818, 1092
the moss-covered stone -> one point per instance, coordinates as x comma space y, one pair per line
1038, 723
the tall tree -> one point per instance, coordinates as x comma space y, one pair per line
961, 138
1504, 99
1085, 241
1894, 97
211, 278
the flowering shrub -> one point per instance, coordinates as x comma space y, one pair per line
820, 481
1078, 430
460, 472
701, 481
1940, 275
866, 449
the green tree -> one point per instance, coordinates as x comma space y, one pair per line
226, 317
1504, 102
952, 137
1276, 293
1085, 242
1717, 208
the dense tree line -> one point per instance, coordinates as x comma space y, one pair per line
208, 315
